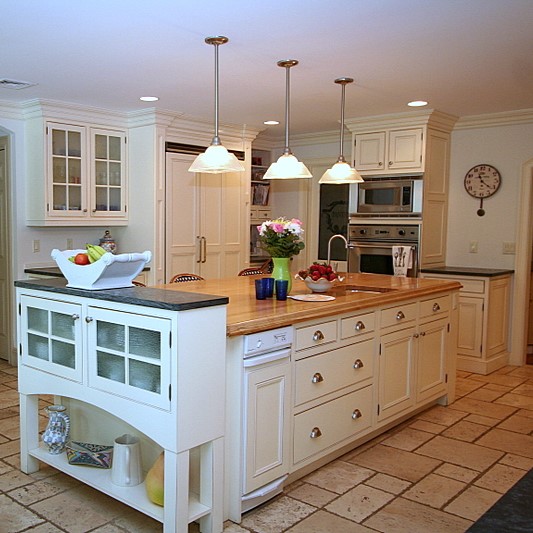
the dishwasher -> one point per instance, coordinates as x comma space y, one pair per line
267, 411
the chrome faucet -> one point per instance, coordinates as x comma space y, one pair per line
339, 236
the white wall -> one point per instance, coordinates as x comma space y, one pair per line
506, 147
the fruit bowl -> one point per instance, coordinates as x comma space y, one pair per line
109, 272
320, 285
319, 277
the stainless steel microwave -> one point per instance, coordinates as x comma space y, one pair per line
386, 196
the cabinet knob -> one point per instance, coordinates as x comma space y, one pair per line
315, 433
89, 319
400, 315
318, 336
358, 364
423, 334
356, 414
75, 316
380, 163
359, 326
391, 163
416, 335
84, 210
436, 307
317, 378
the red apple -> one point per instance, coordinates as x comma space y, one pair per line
81, 259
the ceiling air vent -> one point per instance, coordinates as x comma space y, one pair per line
15, 84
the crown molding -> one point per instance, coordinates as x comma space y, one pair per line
11, 110
506, 118
303, 139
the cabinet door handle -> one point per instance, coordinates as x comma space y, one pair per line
400, 315
436, 307
315, 433
318, 335
358, 364
360, 326
356, 414
89, 319
75, 316
204, 249
198, 248
317, 378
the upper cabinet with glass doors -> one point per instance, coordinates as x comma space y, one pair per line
85, 180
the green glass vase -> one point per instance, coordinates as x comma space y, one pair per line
282, 270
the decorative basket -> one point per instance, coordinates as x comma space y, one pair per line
109, 272
86, 454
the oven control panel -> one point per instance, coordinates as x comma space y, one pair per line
373, 232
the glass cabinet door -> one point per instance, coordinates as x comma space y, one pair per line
66, 149
129, 355
52, 336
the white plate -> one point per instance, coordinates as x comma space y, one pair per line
313, 297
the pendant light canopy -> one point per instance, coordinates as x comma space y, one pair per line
216, 159
341, 172
287, 166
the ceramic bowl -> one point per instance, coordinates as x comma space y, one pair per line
321, 285
87, 454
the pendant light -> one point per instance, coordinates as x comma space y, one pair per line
341, 172
216, 159
287, 166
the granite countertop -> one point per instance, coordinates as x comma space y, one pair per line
467, 271
55, 272
144, 296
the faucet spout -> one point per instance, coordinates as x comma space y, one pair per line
332, 238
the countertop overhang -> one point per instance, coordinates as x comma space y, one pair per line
468, 271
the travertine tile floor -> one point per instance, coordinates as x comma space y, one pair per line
437, 472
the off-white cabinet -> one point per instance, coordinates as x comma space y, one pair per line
207, 229
482, 333
82, 178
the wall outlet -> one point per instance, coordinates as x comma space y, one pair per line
36, 246
508, 248
473, 247
70, 244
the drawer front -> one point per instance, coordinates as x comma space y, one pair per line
311, 336
325, 373
319, 428
399, 314
263, 213
472, 285
434, 306
355, 326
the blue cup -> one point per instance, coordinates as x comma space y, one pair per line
282, 286
260, 289
269, 286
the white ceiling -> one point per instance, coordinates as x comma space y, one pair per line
464, 57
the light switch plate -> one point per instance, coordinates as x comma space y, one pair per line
508, 248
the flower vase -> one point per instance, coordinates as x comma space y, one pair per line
282, 270
56, 434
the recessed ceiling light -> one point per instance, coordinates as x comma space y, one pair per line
271, 122
149, 98
417, 103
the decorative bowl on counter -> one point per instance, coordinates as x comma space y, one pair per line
319, 277
320, 285
86, 454
109, 272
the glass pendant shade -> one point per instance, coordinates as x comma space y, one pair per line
216, 159
287, 167
341, 172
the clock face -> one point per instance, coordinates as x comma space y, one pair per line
482, 181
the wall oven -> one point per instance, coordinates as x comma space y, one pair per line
372, 246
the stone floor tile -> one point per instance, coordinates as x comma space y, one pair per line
230, 527
9, 411
517, 423
472, 503
526, 388
516, 400
9, 398
483, 420
9, 448
9, 427
466, 454
322, 521
137, 522
397, 463
500, 478
15, 517
338, 476
407, 439
508, 441
46, 528
479, 407
388, 483
463, 374
13, 479
523, 371
359, 503
525, 412
312, 495
442, 415
497, 387
434, 490
517, 461
277, 516
428, 427
405, 516
499, 379
457, 472
464, 430
485, 394
464, 386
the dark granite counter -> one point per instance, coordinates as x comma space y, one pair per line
467, 271
55, 272
144, 296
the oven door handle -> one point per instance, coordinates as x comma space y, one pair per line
380, 244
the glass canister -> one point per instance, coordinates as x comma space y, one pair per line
108, 243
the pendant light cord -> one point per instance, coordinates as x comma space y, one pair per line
287, 107
216, 138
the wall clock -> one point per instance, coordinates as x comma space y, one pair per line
482, 181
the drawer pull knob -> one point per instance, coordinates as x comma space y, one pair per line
318, 336
89, 319
360, 326
358, 364
400, 315
423, 334
317, 378
315, 433
75, 316
436, 307
356, 414
416, 335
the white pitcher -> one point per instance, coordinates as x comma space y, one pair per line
127, 467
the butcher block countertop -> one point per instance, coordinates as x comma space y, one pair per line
247, 315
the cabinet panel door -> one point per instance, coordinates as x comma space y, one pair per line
498, 316
370, 151
52, 339
405, 149
470, 326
